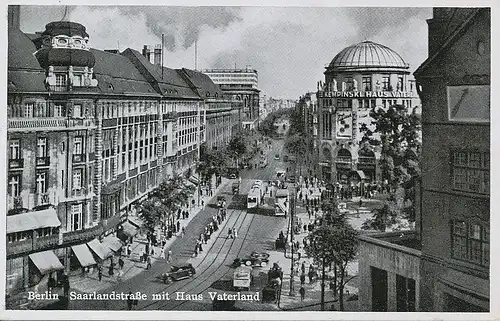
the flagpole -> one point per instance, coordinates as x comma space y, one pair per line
162, 54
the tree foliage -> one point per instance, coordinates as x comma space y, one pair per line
212, 162
334, 242
267, 127
397, 134
164, 202
237, 146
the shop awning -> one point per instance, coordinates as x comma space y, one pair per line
193, 180
361, 174
135, 221
112, 242
83, 254
129, 229
103, 252
32, 221
46, 262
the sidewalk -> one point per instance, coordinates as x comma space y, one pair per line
312, 296
132, 265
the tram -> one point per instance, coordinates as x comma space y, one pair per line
255, 195
282, 202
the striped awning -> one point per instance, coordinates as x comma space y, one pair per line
32, 220
129, 229
46, 262
112, 242
103, 252
83, 255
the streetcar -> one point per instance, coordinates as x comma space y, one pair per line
282, 202
255, 195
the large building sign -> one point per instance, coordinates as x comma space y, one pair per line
344, 124
365, 94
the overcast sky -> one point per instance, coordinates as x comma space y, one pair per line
288, 46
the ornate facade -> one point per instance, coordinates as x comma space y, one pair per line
361, 77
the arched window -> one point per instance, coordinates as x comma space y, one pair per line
344, 153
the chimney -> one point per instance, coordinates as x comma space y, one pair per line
146, 52
157, 59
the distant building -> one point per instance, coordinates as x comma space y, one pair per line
241, 85
455, 209
359, 78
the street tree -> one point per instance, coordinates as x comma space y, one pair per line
333, 242
397, 133
237, 147
297, 146
152, 213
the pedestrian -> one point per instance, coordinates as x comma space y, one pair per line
230, 233
183, 231
162, 254
152, 251
129, 250
200, 247
310, 275
169, 256
99, 273
235, 232
360, 202
202, 203
205, 237
195, 254
302, 278
149, 263
129, 301
178, 226
303, 268
302, 293
121, 263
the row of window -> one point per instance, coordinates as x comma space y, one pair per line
367, 83
27, 235
471, 171
44, 109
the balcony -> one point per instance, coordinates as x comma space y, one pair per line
85, 123
42, 199
80, 192
16, 163
82, 235
41, 123
343, 159
366, 160
29, 245
42, 161
78, 158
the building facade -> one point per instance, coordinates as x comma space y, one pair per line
241, 85
454, 84
222, 115
361, 77
90, 133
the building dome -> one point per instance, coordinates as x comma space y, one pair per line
367, 56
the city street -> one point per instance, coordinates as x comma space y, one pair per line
256, 232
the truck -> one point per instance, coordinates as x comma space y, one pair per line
242, 278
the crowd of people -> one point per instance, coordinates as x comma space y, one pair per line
212, 226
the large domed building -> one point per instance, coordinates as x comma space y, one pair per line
360, 77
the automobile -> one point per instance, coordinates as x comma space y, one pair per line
254, 259
178, 273
291, 178
285, 158
242, 278
232, 176
277, 157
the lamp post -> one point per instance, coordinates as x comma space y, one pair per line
292, 213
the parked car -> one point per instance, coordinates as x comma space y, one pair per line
291, 178
277, 157
254, 259
178, 273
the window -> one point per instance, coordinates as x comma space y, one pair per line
386, 82
78, 145
61, 81
400, 83
76, 217
59, 110
41, 182
77, 111
471, 242
367, 83
77, 178
15, 185
42, 147
471, 171
349, 83
28, 109
14, 149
